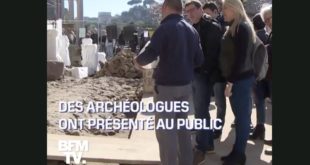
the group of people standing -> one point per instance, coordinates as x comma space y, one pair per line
205, 56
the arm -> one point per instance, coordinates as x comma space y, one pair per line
151, 51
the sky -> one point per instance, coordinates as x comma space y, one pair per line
92, 7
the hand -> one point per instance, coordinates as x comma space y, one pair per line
136, 65
228, 88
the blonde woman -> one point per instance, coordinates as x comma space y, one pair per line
237, 68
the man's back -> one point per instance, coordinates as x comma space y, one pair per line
177, 44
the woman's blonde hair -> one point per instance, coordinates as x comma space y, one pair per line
266, 9
240, 16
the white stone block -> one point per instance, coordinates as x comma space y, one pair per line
90, 58
87, 41
64, 49
53, 46
101, 57
79, 72
49, 27
59, 27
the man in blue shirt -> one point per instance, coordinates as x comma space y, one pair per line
177, 45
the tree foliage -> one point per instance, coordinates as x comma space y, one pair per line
134, 2
148, 2
253, 6
146, 15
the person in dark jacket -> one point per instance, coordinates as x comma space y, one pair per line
269, 71
144, 39
102, 40
211, 9
121, 40
259, 27
260, 88
210, 34
237, 68
177, 45
266, 13
133, 42
94, 36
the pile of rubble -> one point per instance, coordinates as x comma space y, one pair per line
121, 65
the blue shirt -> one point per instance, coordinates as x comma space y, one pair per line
177, 44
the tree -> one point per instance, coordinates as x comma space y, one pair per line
140, 15
148, 2
253, 6
134, 2
155, 11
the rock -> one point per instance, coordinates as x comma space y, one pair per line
111, 133
63, 49
76, 115
72, 132
118, 115
108, 132
52, 45
75, 55
80, 72
90, 58
101, 57
55, 70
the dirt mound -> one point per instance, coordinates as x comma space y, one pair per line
86, 90
121, 65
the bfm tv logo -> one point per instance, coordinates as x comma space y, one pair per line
73, 149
